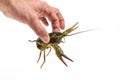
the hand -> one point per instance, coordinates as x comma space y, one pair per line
33, 12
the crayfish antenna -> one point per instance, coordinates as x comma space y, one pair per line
32, 41
80, 32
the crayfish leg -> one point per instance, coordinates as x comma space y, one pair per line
39, 56
49, 51
43, 61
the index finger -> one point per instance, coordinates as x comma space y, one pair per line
61, 20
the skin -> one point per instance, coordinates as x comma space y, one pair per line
33, 13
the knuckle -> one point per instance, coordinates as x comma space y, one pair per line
56, 9
47, 11
40, 32
61, 19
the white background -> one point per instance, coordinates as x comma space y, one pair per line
96, 54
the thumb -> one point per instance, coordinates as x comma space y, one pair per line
40, 30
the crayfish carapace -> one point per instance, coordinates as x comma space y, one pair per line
55, 39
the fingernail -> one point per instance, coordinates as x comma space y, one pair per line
45, 39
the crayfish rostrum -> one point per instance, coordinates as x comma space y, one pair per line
55, 39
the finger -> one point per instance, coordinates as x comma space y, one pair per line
61, 20
44, 20
39, 29
55, 22
51, 14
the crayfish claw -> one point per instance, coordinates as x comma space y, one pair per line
60, 54
70, 29
60, 57
67, 57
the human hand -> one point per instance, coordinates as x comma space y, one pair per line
33, 12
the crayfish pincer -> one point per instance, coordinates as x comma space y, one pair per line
55, 39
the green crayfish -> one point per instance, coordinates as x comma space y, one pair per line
55, 39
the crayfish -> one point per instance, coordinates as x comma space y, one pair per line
55, 39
